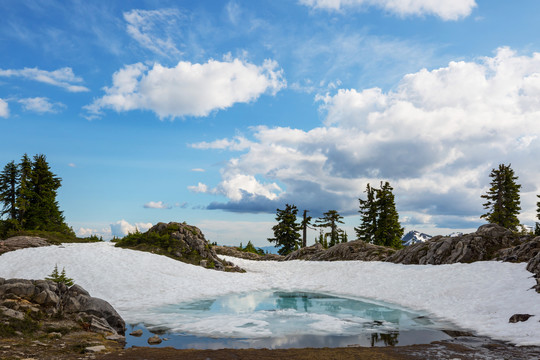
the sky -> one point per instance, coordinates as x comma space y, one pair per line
217, 113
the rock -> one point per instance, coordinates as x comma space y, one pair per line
305, 253
117, 338
11, 313
21, 242
154, 340
97, 307
44, 297
185, 243
484, 244
95, 349
519, 318
232, 251
353, 250
136, 333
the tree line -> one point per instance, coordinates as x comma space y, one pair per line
380, 220
379, 223
28, 197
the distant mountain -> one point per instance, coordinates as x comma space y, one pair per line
413, 237
269, 249
454, 234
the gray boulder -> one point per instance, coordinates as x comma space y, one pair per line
21, 242
353, 250
55, 299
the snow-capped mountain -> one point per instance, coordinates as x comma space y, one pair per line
456, 233
413, 237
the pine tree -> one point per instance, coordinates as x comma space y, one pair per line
8, 190
389, 232
43, 212
503, 203
369, 213
24, 192
380, 220
286, 231
330, 219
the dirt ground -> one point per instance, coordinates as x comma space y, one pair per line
434, 351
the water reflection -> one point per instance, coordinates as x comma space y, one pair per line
290, 319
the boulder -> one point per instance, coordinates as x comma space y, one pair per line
154, 340
519, 318
21, 242
137, 333
28, 296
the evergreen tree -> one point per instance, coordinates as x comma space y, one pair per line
369, 213
24, 192
286, 231
305, 224
380, 220
344, 237
503, 203
389, 231
8, 190
331, 219
43, 212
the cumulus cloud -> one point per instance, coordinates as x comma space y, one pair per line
122, 228
40, 105
189, 89
155, 29
435, 138
157, 205
446, 10
4, 108
64, 77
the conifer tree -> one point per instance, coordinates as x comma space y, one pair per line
380, 220
9, 178
331, 219
369, 213
24, 192
43, 212
389, 231
286, 232
305, 224
503, 203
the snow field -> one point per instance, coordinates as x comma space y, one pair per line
480, 297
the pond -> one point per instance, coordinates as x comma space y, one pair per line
277, 319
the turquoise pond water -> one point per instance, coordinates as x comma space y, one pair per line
276, 319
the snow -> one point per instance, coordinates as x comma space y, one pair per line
413, 237
479, 297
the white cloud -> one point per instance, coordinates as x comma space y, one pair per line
446, 10
4, 109
72, 165
154, 29
198, 170
64, 77
435, 138
122, 228
40, 105
157, 205
189, 89
239, 143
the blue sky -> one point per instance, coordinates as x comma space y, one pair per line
218, 112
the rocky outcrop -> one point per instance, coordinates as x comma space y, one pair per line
484, 244
353, 250
45, 299
21, 242
180, 241
232, 251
